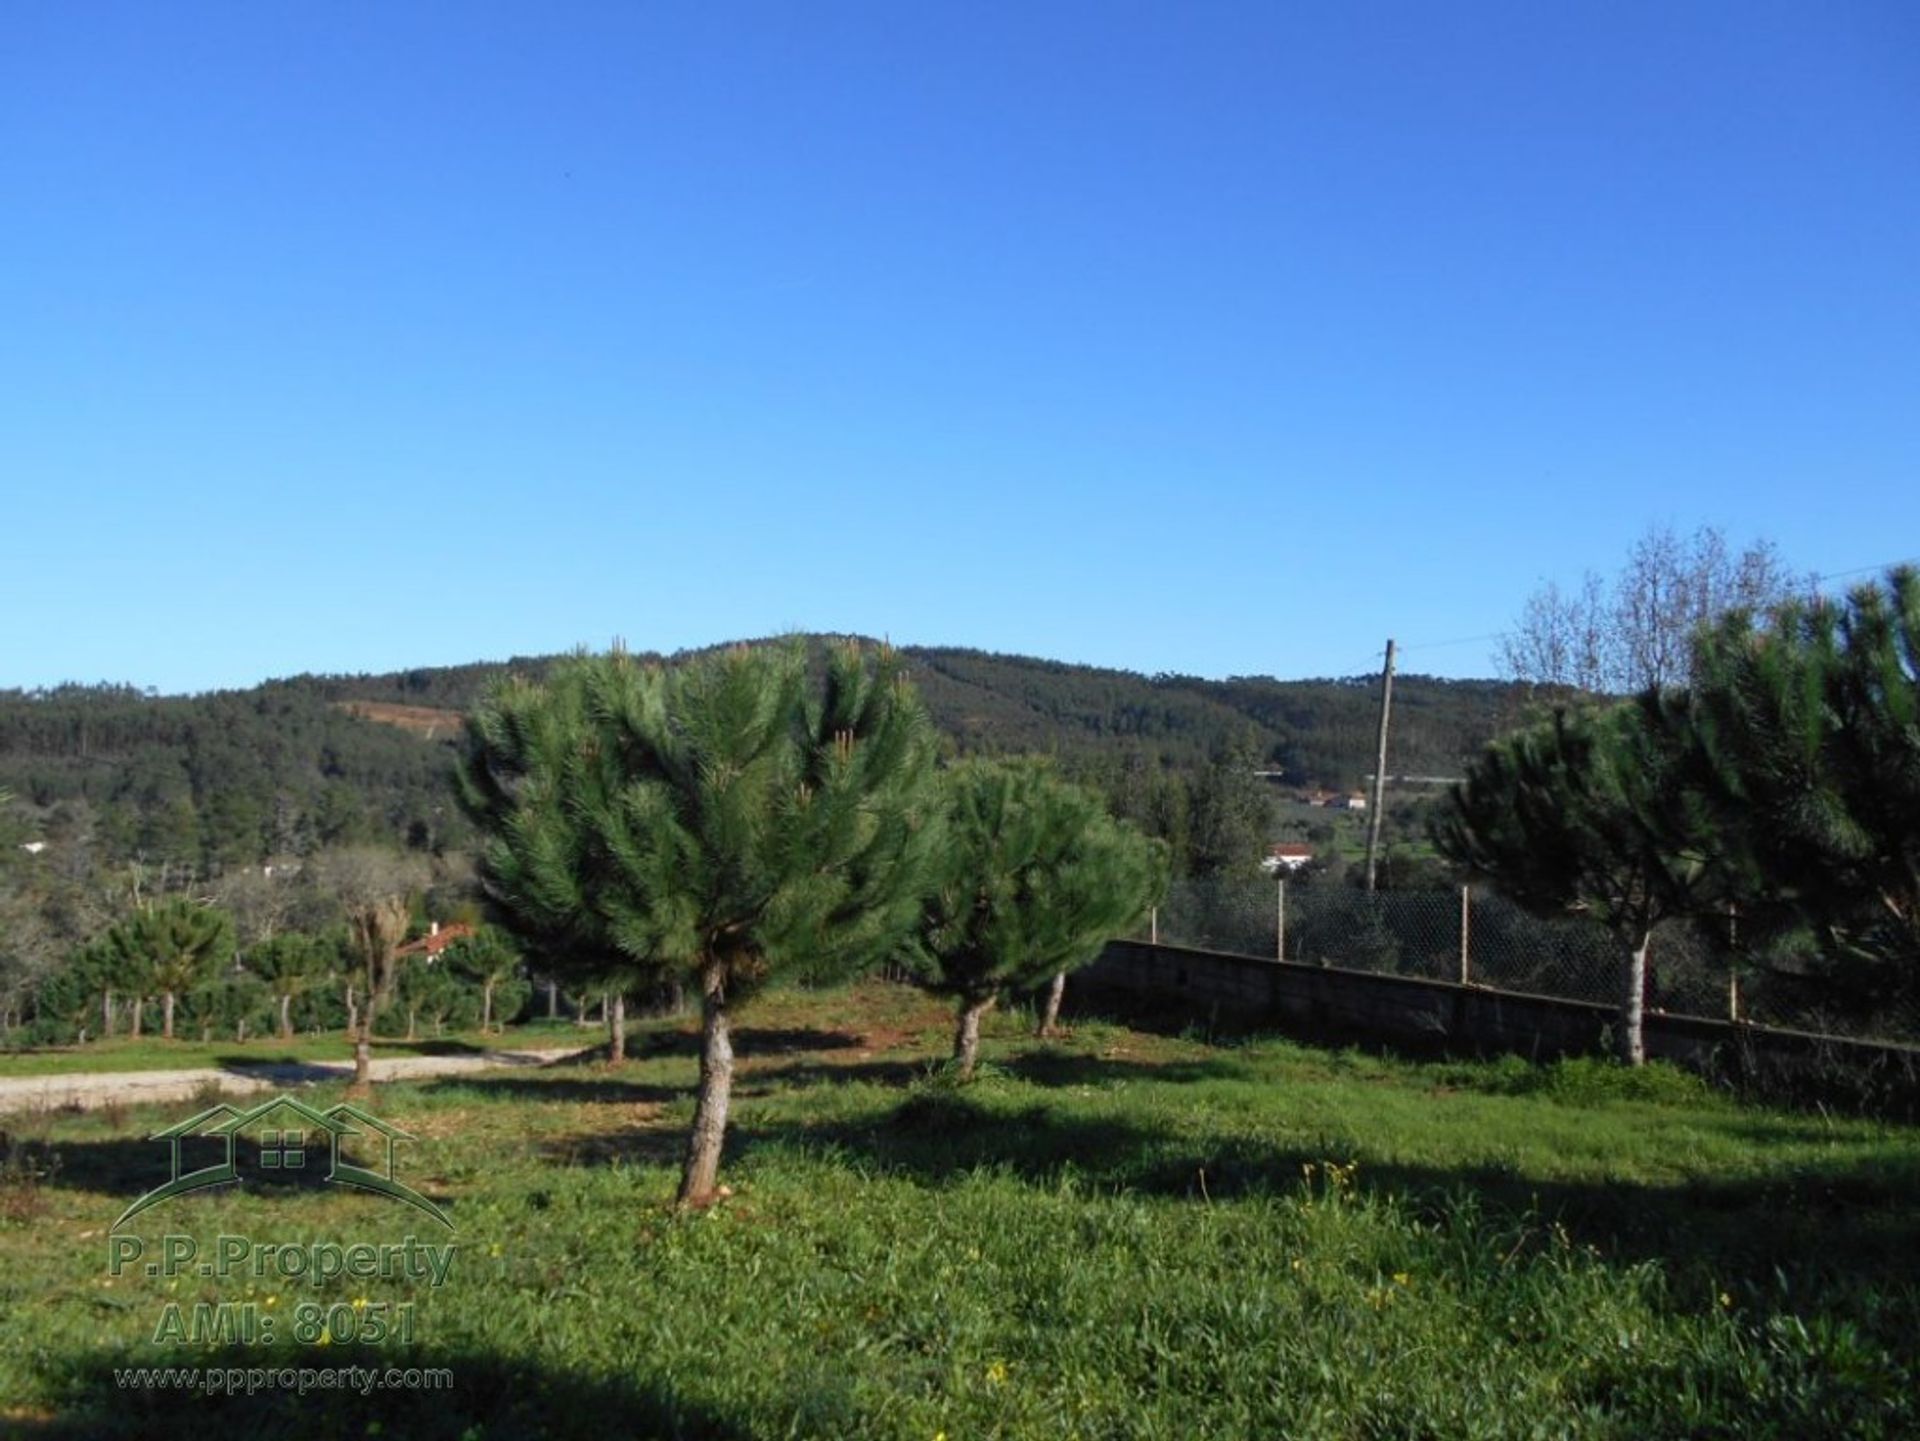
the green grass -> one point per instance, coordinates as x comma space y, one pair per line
150, 1053
1120, 1235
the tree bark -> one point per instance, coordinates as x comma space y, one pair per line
353, 1013
106, 1011
413, 1014
716, 1087
139, 1013
166, 1015
617, 1030
1633, 1006
286, 1017
1050, 1018
486, 1006
553, 1000
966, 1037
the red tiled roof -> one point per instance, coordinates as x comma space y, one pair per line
434, 944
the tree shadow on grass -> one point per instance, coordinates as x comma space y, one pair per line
496, 1397
1055, 1066
126, 1168
750, 1080
1822, 1226
547, 1086
748, 1041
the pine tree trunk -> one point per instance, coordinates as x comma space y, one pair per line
617, 1031
1633, 1006
486, 1006
966, 1037
286, 1018
139, 1014
166, 1015
716, 1087
1051, 1016
106, 1012
363, 1054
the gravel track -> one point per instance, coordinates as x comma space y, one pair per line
89, 1090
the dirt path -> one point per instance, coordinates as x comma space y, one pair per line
89, 1090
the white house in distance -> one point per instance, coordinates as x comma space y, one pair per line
1328, 800
1286, 857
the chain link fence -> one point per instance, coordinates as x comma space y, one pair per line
1480, 938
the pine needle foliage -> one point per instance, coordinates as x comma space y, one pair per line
170, 948
1038, 877
725, 819
1589, 810
1806, 733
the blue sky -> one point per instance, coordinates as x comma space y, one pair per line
1222, 339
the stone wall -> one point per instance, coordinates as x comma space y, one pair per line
1321, 1003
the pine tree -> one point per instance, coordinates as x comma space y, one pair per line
289, 964
491, 962
1805, 731
174, 945
1037, 879
721, 820
1590, 809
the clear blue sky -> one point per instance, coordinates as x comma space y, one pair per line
1224, 339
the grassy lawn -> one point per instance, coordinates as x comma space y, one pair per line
150, 1053
1118, 1235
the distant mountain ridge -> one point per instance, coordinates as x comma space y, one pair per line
1320, 731
228, 777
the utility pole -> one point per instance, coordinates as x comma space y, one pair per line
1379, 770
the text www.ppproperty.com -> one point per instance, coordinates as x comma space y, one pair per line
249, 1380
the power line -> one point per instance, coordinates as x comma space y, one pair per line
1864, 569
1457, 640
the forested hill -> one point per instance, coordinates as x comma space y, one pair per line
234, 776
1321, 732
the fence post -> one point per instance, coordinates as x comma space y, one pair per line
1280, 923
1733, 961
1153, 926
1466, 932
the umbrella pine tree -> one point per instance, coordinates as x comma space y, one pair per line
723, 820
1037, 879
1590, 811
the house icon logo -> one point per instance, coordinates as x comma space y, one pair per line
284, 1134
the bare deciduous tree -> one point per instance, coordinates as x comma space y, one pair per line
1640, 630
372, 885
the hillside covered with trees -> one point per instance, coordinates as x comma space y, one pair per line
232, 778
